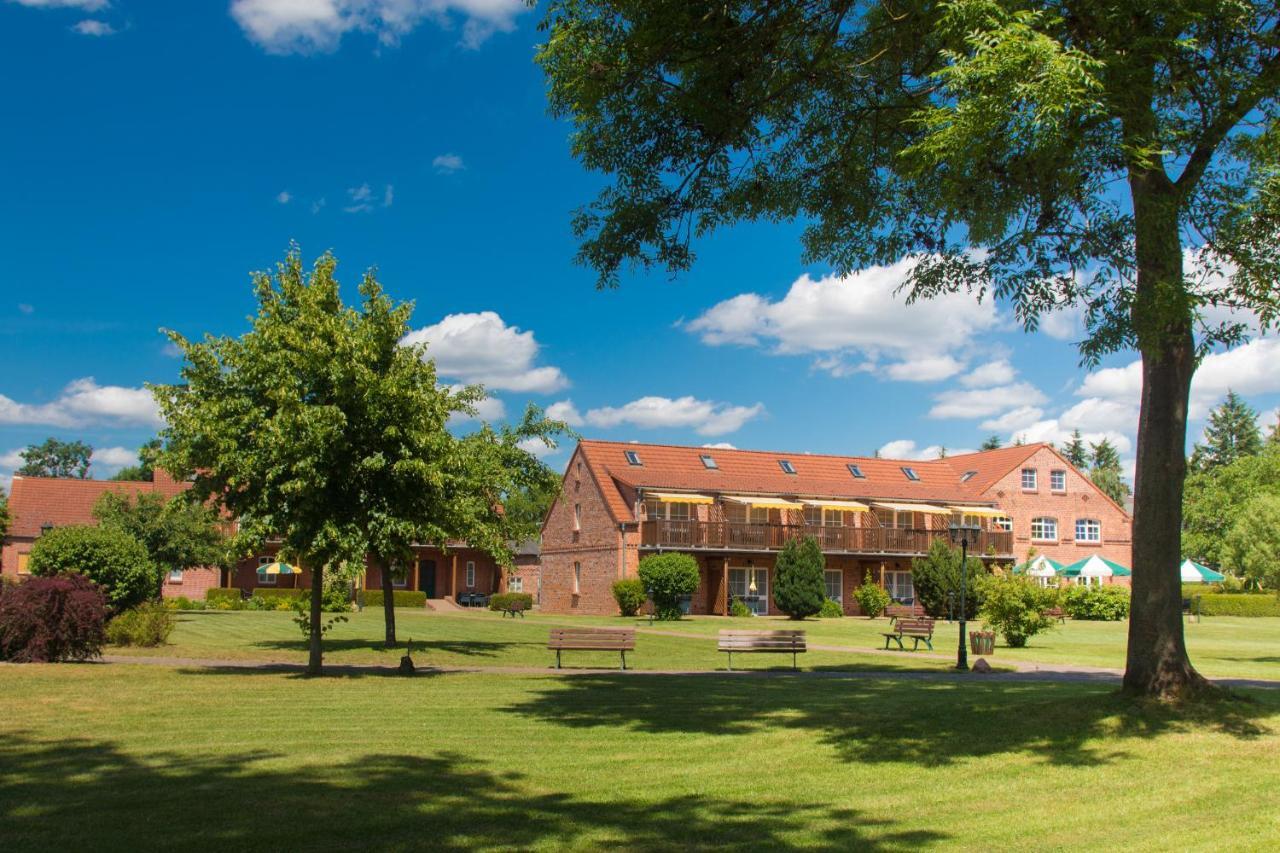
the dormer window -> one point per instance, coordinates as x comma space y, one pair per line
856, 471
910, 474
708, 461
786, 466
967, 476
633, 458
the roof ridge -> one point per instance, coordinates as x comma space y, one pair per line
799, 454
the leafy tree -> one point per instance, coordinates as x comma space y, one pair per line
1232, 432
1105, 472
992, 442
1080, 147
529, 505
936, 579
799, 587
1075, 452
4, 514
109, 557
1104, 455
667, 578
630, 595
1014, 606
1273, 437
319, 427
144, 471
871, 597
54, 458
178, 533
1217, 498
1252, 547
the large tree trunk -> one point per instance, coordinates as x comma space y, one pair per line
388, 605
1157, 663
315, 661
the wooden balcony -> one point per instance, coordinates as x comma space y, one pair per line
742, 536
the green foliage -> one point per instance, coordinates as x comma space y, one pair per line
148, 625
527, 504
1222, 604
936, 578
511, 601
4, 514
1075, 451
1252, 547
399, 598
1013, 605
1098, 603
1106, 473
145, 470
1232, 433
301, 608
738, 608
178, 533
111, 558
1217, 498
871, 597
181, 602
798, 584
830, 609
667, 578
992, 442
630, 595
54, 458
222, 594
50, 619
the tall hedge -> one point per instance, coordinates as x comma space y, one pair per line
798, 585
109, 557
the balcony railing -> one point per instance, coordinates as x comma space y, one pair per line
743, 536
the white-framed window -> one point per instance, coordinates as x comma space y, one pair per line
515, 583
1044, 529
813, 516
758, 515
786, 466
667, 510
577, 516
265, 579
633, 458
1030, 482
1003, 522
1057, 481
708, 461
910, 473
898, 519
471, 574
399, 577
834, 579
577, 578
175, 576
1088, 530
899, 587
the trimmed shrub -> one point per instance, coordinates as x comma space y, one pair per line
278, 594
48, 619
272, 603
871, 597
147, 624
629, 594
183, 603
739, 608
798, 586
111, 558
1013, 605
399, 598
831, 609
221, 595
936, 579
511, 601
1226, 604
667, 578
1097, 603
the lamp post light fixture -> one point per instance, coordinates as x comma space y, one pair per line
965, 533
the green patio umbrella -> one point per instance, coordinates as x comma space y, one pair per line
1193, 572
1095, 567
1040, 567
278, 568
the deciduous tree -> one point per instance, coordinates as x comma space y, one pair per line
178, 533
54, 458
144, 471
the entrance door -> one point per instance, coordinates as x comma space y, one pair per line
427, 577
740, 583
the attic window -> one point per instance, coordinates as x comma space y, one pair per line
967, 476
786, 466
856, 471
708, 461
911, 473
633, 458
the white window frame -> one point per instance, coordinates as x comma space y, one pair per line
1084, 524
175, 576
266, 580
1002, 523
839, 585
1034, 479
633, 458
895, 580
1041, 519
1058, 480
402, 581
515, 583
471, 574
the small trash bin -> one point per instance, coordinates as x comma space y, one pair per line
982, 642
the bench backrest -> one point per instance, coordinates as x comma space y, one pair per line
904, 610
783, 641
602, 639
915, 626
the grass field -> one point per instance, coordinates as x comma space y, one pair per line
123, 757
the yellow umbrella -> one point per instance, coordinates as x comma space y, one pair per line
279, 568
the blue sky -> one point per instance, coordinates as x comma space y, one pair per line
156, 152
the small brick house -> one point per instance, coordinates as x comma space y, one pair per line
733, 509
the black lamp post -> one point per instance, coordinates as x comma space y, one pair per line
964, 532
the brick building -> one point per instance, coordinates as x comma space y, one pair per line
733, 509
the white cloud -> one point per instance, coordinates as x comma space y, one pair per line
1098, 413
488, 409
720, 445
308, 26
26, 308
566, 411
985, 402
704, 417
284, 197
95, 29
447, 164
537, 447
905, 449
1113, 382
999, 372
1269, 420
388, 195
1014, 419
1066, 324
86, 5
482, 348
360, 199
85, 402
317, 206
854, 323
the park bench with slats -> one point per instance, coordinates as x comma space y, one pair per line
746, 642
1055, 613
592, 640
903, 611
912, 629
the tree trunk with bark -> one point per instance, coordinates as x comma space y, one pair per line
388, 606
315, 661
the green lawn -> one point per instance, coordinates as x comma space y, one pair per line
134, 758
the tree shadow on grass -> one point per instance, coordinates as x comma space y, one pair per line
464, 648
87, 794
928, 722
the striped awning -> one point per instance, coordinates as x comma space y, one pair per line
909, 507
981, 511
764, 503
680, 498
836, 506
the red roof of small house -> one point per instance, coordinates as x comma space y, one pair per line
37, 501
989, 466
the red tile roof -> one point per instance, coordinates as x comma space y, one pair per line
37, 501
758, 472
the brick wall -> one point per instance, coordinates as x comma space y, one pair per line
587, 538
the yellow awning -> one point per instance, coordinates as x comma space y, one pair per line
680, 498
836, 506
909, 507
982, 511
763, 503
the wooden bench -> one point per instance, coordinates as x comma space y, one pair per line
913, 629
592, 640
782, 642
1055, 613
513, 610
903, 611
